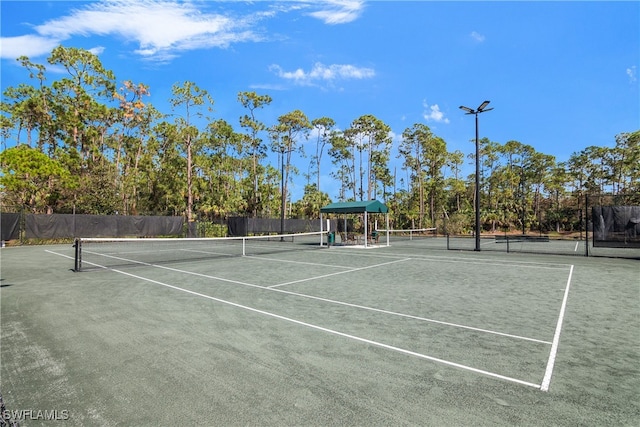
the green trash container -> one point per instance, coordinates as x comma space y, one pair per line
331, 238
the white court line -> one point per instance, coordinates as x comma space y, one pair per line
56, 253
331, 331
339, 272
474, 261
576, 248
481, 261
378, 310
264, 258
298, 262
490, 261
556, 338
338, 333
363, 307
168, 268
224, 254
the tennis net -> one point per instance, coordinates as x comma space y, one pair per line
406, 235
117, 252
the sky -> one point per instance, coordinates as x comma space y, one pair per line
561, 76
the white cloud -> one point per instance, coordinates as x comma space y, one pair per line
266, 86
326, 73
433, 113
477, 36
96, 50
29, 45
339, 11
631, 72
159, 28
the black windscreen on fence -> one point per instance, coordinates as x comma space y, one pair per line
237, 225
244, 226
57, 226
9, 226
616, 226
66, 226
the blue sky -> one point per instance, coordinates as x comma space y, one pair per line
561, 76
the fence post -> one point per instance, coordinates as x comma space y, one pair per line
586, 225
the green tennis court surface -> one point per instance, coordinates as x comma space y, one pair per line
398, 335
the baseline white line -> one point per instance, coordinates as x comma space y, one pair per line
339, 272
363, 307
546, 381
338, 333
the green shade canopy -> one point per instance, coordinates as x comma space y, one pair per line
370, 206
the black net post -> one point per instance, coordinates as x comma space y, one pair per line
78, 255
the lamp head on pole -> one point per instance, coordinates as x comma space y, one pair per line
467, 109
483, 107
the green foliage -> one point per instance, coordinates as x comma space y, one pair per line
285, 141
29, 178
310, 204
459, 223
80, 144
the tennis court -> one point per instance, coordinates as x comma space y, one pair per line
388, 335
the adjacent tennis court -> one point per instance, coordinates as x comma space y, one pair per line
291, 333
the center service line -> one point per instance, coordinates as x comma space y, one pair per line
334, 332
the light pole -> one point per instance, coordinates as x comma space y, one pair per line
283, 151
523, 199
481, 109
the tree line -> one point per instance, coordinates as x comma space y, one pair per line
84, 144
